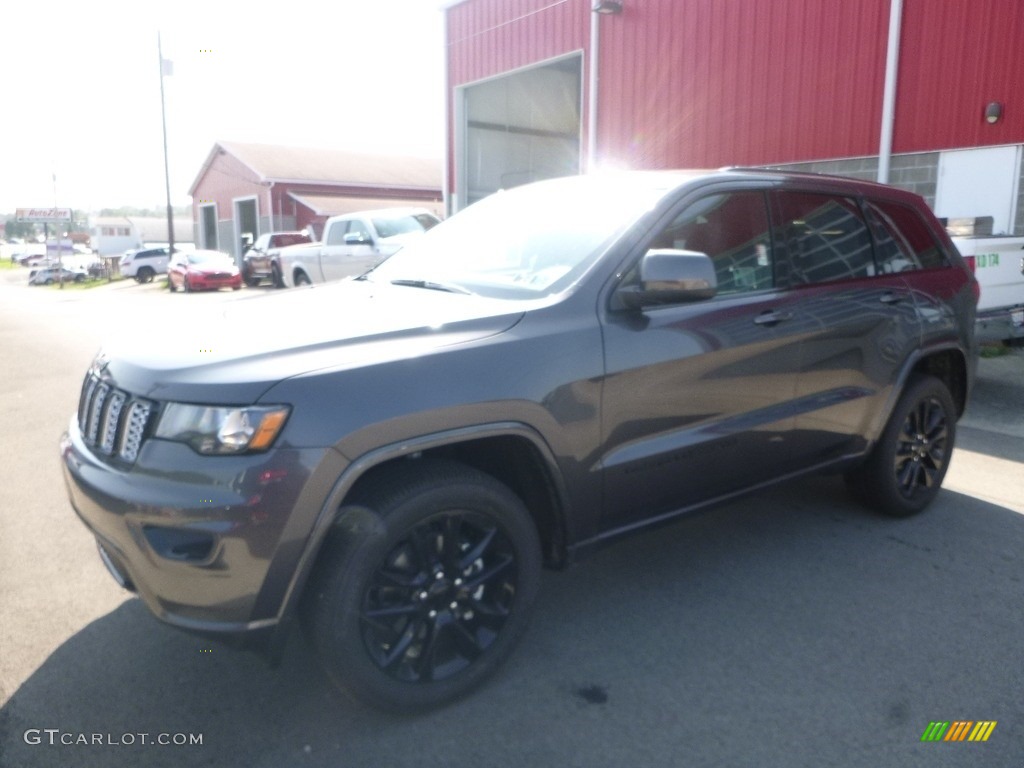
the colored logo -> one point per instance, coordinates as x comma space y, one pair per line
959, 730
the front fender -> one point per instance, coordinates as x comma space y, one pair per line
327, 515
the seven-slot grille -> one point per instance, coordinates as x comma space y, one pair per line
111, 420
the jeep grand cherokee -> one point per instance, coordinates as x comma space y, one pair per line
555, 366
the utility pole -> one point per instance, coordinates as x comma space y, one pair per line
164, 66
60, 260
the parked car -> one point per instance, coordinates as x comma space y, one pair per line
352, 244
50, 275
554, 367
203, 270
35, 259
144, 264
262, 262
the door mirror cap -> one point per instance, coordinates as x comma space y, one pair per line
357, 239
670, 276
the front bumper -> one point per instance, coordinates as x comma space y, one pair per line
210, 543
206, 283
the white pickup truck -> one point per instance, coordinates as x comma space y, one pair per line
999, 267
352, 244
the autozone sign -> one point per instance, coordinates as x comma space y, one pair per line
43, 214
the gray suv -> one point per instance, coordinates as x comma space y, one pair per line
556, 366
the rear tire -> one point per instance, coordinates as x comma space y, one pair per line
905, 469
144, 275
301, 278
425, 587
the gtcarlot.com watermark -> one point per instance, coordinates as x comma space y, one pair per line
56, 737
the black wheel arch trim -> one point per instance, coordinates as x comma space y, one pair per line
327, 517
907, 370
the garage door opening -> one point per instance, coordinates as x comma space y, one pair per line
246, 225
520, 128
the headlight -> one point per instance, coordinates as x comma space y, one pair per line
213, 429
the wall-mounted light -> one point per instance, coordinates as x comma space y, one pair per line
993, 112
607, 6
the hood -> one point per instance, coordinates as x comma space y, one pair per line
213, 269
235, 353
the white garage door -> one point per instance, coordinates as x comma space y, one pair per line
518, 128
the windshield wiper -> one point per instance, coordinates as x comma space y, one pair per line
430, 285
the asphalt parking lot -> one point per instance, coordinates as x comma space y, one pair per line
789, 629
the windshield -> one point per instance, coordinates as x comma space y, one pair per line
524, 243
403, 225
208, 257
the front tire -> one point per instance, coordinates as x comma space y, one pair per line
276, 276
905, 469
425, 587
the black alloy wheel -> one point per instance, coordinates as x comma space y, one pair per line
440, 598
922, 450
424, 591
904, 471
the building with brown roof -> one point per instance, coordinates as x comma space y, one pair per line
244, 190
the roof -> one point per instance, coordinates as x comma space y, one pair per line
108, 221
308, 165
334, 205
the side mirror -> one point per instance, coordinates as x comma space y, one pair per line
357, 238
670, 276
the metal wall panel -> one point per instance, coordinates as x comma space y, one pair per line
956, 57
490, 37
703, 83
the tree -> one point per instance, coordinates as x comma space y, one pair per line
19, 229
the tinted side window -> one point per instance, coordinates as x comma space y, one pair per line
336, 233
826, 237
358, 228
733, 230
902, 240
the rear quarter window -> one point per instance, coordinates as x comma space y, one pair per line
903, 241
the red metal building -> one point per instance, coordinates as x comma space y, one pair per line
706, 83
244, 190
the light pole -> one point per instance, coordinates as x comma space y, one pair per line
60, 262
164, 66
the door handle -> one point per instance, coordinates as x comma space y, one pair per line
772, 317
891, 298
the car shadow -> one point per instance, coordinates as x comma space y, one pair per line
789, 629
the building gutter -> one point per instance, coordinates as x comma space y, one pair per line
892, 67
593, 81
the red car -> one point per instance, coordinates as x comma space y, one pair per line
203, 270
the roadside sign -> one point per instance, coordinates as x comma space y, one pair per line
43, 214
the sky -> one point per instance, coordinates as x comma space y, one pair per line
82, 95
